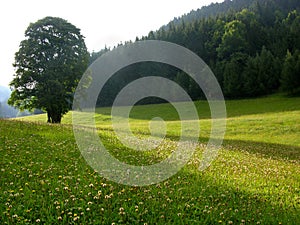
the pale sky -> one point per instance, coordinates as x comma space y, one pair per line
102, 22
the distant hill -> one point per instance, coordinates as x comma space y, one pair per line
4, 93
231, 7
6, 111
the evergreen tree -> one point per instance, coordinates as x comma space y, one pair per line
290, 78
233, 82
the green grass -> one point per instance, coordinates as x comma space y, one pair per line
254, 180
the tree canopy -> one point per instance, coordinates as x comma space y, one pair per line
49, 64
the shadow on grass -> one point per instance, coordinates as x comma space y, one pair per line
217, 201
268, 150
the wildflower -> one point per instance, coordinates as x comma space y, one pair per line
59, 218
122, 211
37, 220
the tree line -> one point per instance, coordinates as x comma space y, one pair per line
251, 46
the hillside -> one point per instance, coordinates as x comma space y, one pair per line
252, 47
230, 7
239, 112
255, 178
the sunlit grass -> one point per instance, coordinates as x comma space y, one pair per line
255, 179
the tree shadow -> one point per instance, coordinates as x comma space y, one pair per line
267, 150
227, 201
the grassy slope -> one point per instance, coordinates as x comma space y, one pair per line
254, 180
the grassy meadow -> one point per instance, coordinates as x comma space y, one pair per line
254, 180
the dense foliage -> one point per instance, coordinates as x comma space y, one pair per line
49, 64
252, 46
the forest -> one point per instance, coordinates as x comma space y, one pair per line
252, 46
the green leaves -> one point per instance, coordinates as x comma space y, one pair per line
49, 65
233, 40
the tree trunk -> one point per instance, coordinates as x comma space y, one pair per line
49, 116
53, 117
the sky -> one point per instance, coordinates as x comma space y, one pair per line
102, 22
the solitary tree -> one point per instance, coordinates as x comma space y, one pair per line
49, 65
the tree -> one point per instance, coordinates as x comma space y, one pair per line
290, 78
233, 40
49, 65
252, 87
233, 82
292, 23
268, 71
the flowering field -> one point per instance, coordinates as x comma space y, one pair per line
255, 179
